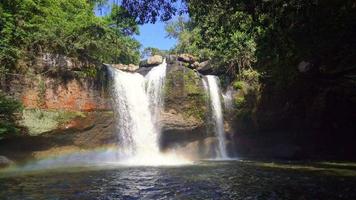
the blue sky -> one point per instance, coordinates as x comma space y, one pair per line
151, 35
154, 35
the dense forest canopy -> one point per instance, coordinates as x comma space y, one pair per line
271, 36
32, 27
236, 33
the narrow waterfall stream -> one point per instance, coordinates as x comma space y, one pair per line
138, 101
211, 85
228, 98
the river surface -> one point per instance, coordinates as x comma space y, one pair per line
204, 180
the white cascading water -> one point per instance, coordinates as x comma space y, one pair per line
154, 89
211, 85
228, 97
138, 101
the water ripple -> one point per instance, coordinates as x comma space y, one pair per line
225, 180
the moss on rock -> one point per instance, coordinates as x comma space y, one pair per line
185, 94
246, 100
40, 121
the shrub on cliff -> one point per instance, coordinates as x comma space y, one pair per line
9, 111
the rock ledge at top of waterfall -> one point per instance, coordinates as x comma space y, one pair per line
152, 61
129, 67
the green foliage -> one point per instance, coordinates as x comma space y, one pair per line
248, 96
31, 27
148, 11
270, 36
250, 76
189, 38
151, 51
9, 108
239, 102
89, 72
192, 83
238, 85
122, 21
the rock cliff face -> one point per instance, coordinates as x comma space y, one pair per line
66, 103
268, 124
82, 95
186, 111
95, 130
311, 118
76, 111
59, 82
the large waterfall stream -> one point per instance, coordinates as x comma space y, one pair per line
211, 85
138, 101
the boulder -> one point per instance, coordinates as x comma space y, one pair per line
132, 67
152, 61
187, 58
195, 65
119, 66
304, 66
4, 162
155, 60
205, 67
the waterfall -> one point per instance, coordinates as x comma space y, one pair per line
136, 132
228, 98
211, 85
137, 103
154, 89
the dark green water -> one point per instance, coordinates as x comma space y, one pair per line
207, 180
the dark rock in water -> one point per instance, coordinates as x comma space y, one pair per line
187, 58
152, 61
205, 67
4, 161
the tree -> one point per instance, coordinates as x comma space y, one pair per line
188, 36
149, 11
151, 51
31, 27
